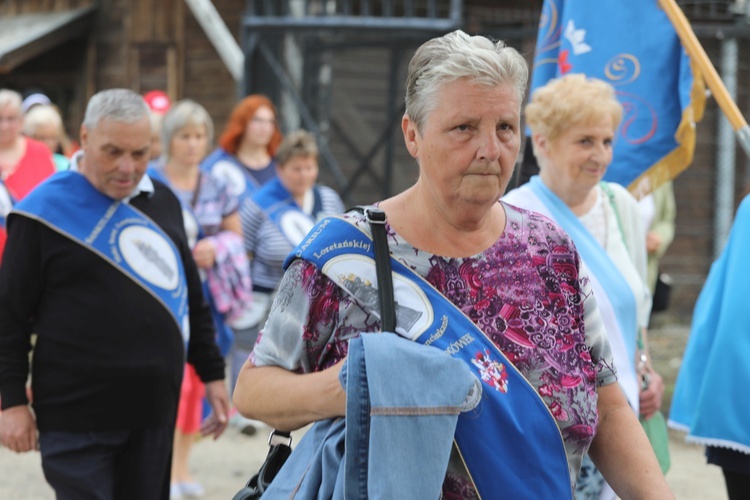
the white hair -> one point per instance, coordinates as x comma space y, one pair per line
455, 56
120, 105
41, 114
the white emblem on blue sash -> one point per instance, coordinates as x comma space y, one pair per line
150, 256
281, 209
237, 181
356, 274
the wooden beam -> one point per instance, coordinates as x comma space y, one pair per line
219, 35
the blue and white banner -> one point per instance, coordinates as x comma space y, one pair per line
633, 46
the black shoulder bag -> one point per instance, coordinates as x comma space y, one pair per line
280, 442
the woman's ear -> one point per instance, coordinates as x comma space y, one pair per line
540, 144
411, 136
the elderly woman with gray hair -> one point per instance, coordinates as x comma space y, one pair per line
496, 289
212, 224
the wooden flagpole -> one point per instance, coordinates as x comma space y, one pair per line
709, 73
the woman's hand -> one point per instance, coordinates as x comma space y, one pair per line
653, 242
204, 253
651, 397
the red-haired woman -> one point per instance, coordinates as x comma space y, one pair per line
244, 157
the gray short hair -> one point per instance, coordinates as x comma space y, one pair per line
184, 113
455, 56
41, 114
120, 105
299, 143
10, 98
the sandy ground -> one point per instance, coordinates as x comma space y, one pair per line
222, 467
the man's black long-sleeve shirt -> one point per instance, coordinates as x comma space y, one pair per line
107, 356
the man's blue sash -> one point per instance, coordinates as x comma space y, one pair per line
510, 443
281, 209
116, 232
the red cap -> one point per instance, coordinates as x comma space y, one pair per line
157, 100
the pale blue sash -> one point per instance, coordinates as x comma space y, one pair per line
193, 229
510, 442
118, 233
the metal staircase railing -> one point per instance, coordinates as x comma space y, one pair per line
316, 26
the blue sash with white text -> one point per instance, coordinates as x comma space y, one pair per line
118, 233
281, 209
510, 442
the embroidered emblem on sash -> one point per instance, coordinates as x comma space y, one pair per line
149, 255
356, 273
492, 372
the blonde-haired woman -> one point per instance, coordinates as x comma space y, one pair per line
573, 121
44, 124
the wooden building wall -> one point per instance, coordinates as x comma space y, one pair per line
138, 44
18, 7
145, 45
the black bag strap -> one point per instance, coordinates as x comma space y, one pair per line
376, 219
279, 449
280, 441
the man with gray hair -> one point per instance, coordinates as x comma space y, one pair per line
98, 266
